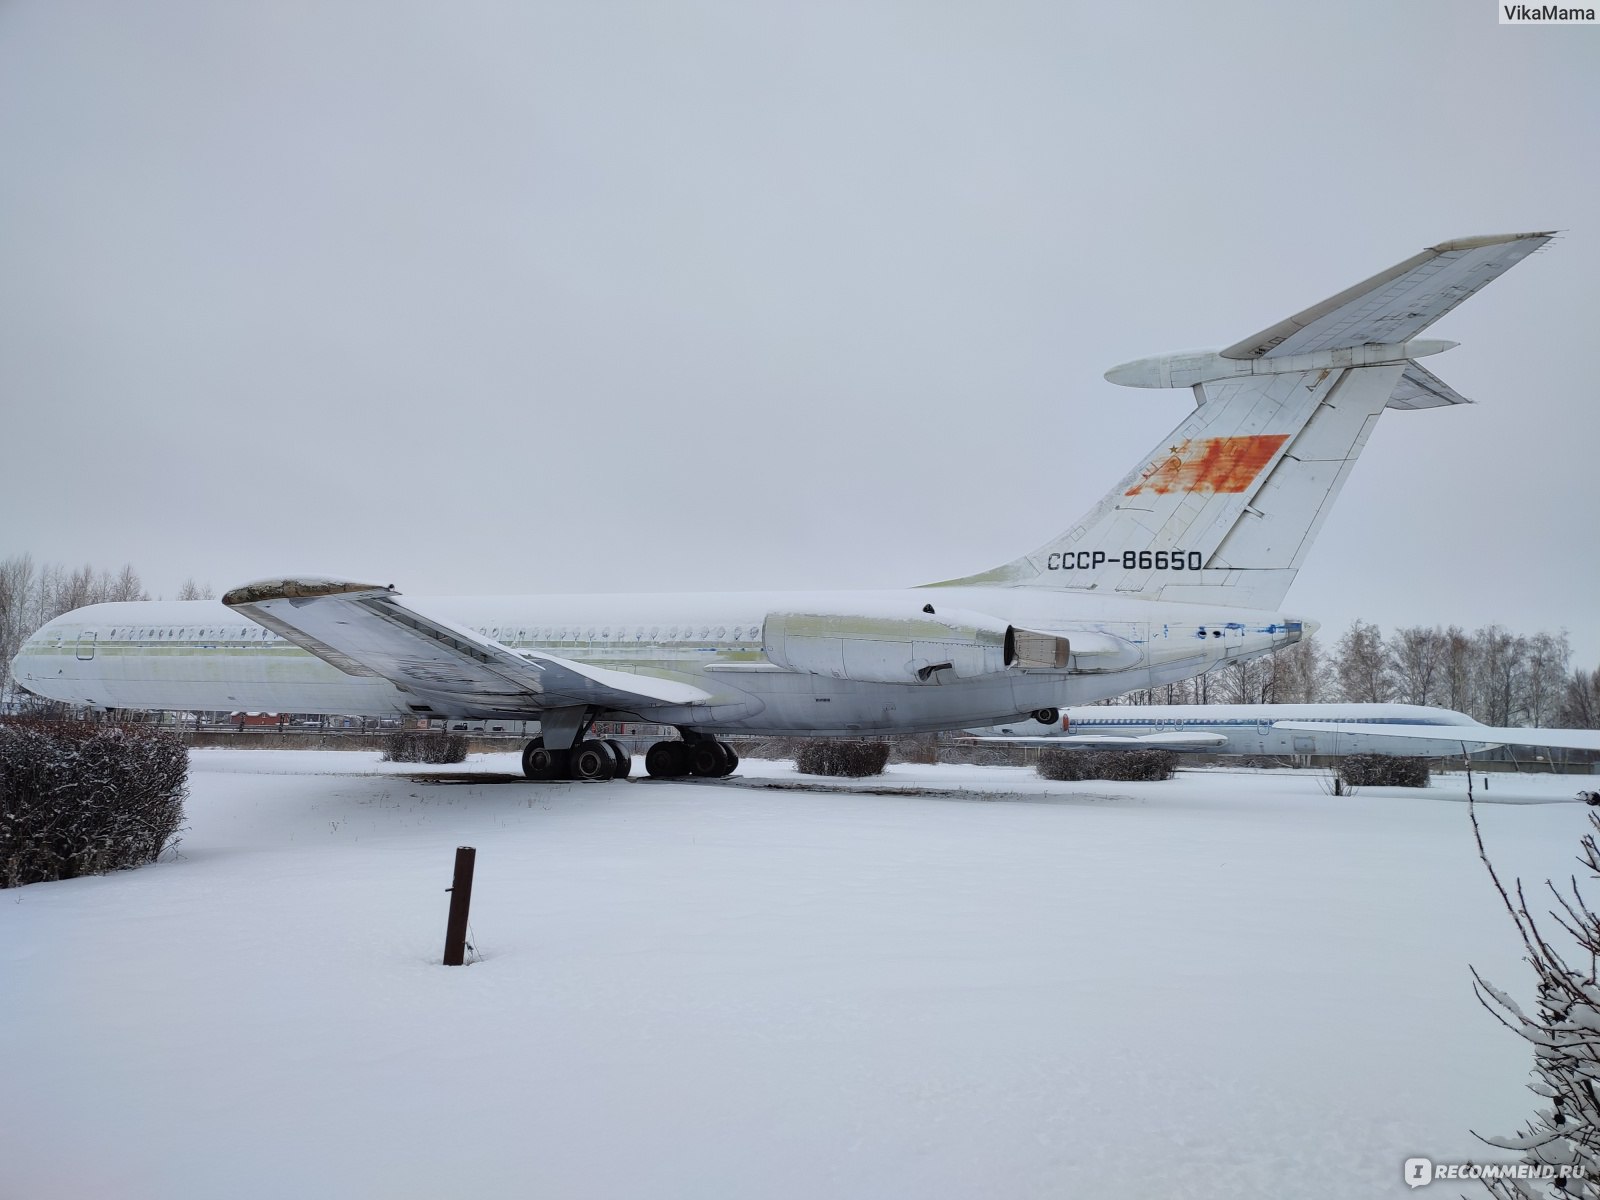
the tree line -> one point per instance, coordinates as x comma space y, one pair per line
1491, 674
34, 594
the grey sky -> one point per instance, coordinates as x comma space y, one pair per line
617, 297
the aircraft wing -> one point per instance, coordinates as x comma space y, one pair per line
1112, 741
366, 629
1394, 305
1480, 735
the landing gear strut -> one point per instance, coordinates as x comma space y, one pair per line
703, 756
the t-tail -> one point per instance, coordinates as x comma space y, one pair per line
1224, 509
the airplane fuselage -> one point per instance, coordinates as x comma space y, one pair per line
200, 655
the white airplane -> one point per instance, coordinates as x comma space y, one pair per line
1181, 566
1410, 730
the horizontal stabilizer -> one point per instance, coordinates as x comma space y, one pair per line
1397, 304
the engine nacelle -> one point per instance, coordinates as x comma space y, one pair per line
889, 648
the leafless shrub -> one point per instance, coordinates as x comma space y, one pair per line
424, 746
1124, 766
1383, 770
82, 799
920, 748
832, 756
1562, 1138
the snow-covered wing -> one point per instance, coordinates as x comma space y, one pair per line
1394, 305
366, 629
1472, 735
1147, 741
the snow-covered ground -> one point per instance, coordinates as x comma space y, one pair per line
1229, 984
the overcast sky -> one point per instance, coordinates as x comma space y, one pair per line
480, 298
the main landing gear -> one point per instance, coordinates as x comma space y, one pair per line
594, 759
600, 759
703, 756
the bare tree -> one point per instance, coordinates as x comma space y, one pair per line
1457, 669
1499, 668
126, 585
1562, 1138
193, 591
1243, 682
1579, 707
1361, 665
16, 612
1417, 664
1299, 673
1545, 675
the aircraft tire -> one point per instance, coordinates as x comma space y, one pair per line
593, 762
1047, 716
624, 759
667, 760
706, 760
539, 763
730, 760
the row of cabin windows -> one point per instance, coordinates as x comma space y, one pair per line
639, 633
549, 633
192, 634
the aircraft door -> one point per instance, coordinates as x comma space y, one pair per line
86, 641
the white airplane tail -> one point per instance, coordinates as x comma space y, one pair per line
1226, 506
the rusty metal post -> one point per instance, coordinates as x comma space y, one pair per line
455, 930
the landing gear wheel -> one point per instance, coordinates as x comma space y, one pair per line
729, 758
1047, 716
706, 760
624, 759
539, 763
593, 761
667, 760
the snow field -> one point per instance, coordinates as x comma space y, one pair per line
1228, 984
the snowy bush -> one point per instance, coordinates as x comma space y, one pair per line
1562, 1138
1383, 770
81, 799
1124, 766
828, 756
424, 746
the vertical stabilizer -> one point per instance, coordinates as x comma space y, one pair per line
1225, 508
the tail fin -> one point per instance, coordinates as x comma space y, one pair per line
1226, 507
